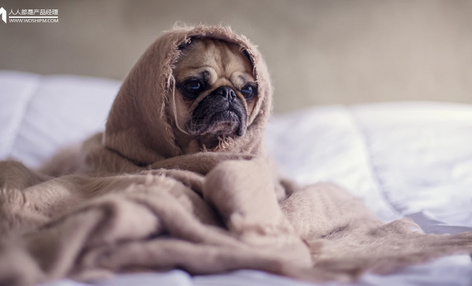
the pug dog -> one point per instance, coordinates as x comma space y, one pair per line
215, 92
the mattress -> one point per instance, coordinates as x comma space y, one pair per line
410, 159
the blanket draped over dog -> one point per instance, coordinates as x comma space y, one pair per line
131, 200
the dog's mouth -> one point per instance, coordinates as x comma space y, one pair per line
219, 119
221, 123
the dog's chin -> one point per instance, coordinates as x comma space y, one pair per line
218, 126
225, 123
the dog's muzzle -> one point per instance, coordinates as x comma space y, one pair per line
221, 113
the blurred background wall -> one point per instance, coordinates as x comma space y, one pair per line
319, 52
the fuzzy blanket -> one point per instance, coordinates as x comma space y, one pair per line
131, 200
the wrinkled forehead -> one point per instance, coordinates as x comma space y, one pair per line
201, 54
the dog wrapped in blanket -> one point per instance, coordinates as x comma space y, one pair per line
180, 179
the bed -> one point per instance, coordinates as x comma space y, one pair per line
410, 159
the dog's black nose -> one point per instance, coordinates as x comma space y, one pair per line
227, 92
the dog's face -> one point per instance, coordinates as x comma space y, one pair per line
215, 92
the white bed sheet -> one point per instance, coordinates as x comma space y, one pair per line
401, 159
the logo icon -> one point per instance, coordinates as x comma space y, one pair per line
3, 12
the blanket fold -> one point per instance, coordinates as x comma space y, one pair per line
130, 199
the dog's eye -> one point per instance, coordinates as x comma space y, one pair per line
191, 89
248, 91
193, 85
